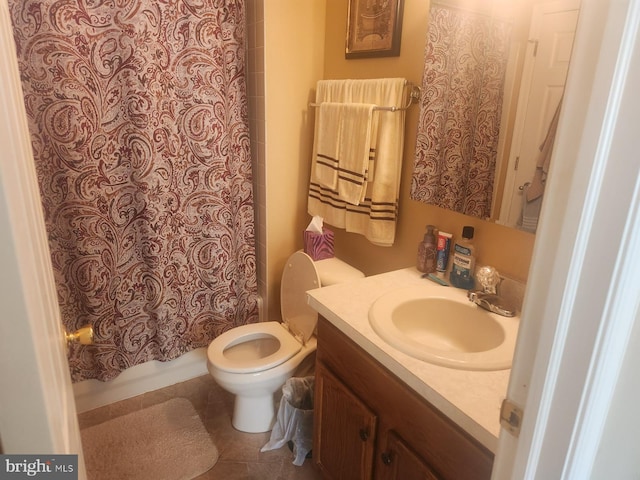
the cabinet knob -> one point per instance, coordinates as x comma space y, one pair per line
364, 434
387, 458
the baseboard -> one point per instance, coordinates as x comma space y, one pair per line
90, 394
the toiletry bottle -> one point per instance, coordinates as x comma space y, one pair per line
464, 260
442, 253
426, 261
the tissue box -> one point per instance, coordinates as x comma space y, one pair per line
319, 246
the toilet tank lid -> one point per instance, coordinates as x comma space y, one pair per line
333, 271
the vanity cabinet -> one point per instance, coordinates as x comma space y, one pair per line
369, 425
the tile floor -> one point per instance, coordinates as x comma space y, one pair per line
240, 456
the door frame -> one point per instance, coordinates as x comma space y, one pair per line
38, 414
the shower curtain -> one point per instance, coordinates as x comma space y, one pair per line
138, 118
462, 88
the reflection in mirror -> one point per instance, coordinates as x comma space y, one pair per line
544, 72
462, 88
537, 61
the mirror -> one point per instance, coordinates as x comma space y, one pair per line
492, 84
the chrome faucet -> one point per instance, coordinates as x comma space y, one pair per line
487, 298
492, 302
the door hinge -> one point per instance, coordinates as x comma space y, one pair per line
535, 46
511, 417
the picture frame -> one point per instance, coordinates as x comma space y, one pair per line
374, 28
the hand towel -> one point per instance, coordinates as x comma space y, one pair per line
536, 189
327, 144
530, 213
354, 151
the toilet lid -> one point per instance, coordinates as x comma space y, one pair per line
298, 276
252, 348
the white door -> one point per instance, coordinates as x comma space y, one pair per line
37, 414
545, 69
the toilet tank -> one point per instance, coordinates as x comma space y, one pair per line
333, 271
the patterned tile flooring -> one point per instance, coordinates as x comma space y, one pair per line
240, 456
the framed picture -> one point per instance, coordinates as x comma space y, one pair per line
374, 28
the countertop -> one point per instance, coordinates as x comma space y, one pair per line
471, 399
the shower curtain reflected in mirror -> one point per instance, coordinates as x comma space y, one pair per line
462, 88
138, 120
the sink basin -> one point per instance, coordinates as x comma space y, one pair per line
441, 326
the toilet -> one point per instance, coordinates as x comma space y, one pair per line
254, 361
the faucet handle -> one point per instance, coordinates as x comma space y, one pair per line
489, 278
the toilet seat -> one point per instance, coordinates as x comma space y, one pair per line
257, 347
263, 346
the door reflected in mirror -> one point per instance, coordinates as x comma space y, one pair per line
487, 106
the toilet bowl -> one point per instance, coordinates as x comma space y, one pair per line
254, 361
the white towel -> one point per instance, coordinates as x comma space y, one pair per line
374, 217
343, 150
326, 144
354, 151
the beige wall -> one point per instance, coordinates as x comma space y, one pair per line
301, 46
507, 249
294, 56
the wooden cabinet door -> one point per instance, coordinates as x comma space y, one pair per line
399, 462
422, 441
344, 430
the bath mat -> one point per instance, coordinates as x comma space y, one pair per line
163, 442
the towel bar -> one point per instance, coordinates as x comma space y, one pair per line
414, 97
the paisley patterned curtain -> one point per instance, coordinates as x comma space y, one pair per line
138, 118
462, 88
